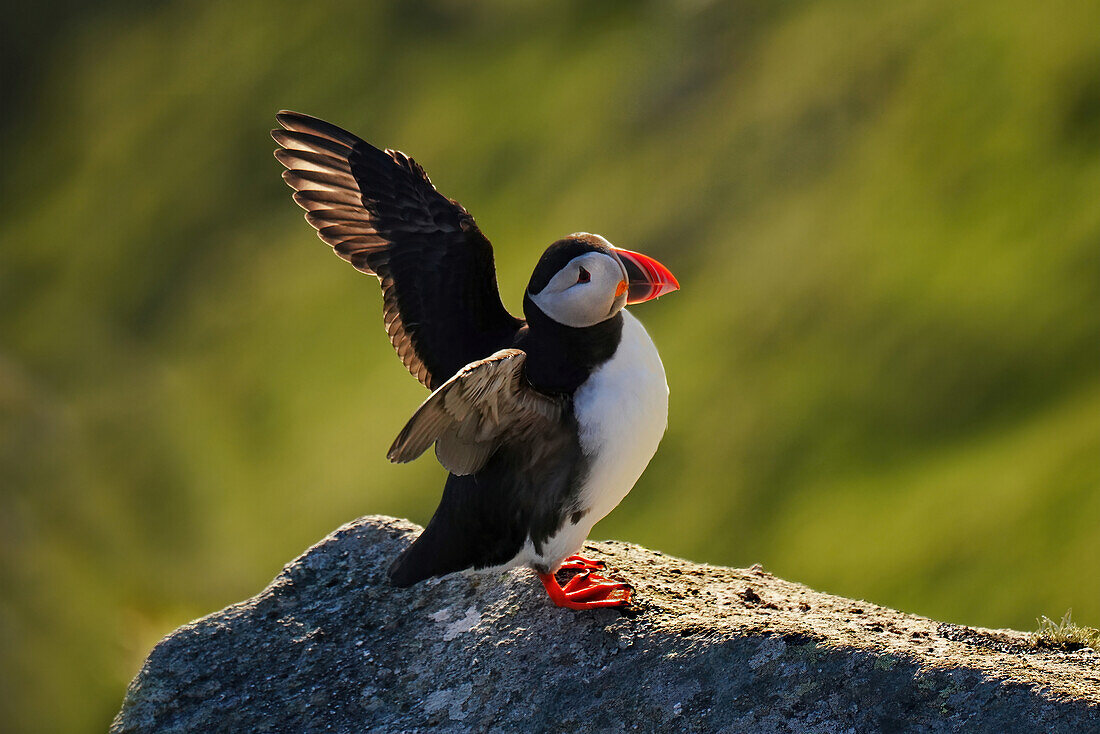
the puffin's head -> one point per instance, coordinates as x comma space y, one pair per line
583, 279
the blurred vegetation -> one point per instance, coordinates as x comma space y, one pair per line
884, 360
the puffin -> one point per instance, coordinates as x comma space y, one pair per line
544, 423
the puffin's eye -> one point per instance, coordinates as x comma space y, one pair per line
583, 276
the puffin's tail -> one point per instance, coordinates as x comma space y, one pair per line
429, 555
466, 531
445, 545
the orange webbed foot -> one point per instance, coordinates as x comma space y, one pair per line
586, 590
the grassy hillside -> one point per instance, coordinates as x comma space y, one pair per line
883, 361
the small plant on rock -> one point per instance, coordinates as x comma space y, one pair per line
1065, 635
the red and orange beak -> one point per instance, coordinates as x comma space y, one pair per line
646, 278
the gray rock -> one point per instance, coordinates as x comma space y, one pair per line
330, 646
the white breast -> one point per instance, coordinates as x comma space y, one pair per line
622, 412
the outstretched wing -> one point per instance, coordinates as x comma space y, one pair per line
471, 415
380, 212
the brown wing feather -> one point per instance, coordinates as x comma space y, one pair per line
485, 405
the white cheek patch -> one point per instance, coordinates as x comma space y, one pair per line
582, 304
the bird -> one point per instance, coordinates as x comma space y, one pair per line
544, 423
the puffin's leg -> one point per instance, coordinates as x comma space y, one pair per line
586, 591
580, 563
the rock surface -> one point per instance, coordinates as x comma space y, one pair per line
330, 646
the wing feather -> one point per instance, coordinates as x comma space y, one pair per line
380, 212
297, 122
312, 161
313, 201
487, 404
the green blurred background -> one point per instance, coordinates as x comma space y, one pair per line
884, 362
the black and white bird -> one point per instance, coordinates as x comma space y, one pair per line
545, 423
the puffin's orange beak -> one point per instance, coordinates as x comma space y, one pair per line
648, 279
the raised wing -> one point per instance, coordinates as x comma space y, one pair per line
488, 403
380, 212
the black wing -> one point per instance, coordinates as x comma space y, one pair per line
380, 212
